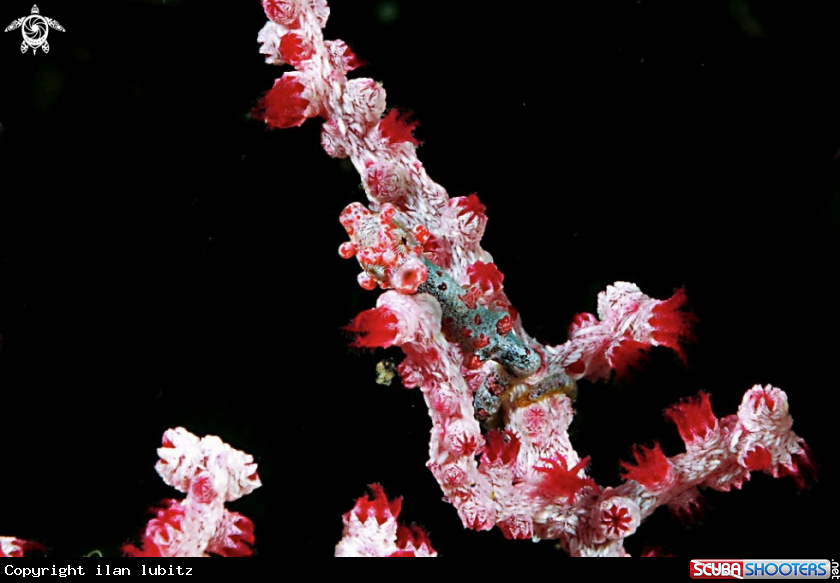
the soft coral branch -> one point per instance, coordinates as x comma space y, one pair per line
211, 473
466, 348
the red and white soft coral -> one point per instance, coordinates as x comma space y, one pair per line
15, 547
371, 530
465, 346
628, 323
211, 473
720, 453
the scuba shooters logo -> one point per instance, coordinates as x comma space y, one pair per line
35, 29
761, 569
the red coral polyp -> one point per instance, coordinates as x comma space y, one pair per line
694, 418
342, 56
202, 488
758, 458
672, 323
378, 508
237, 542
470, 205
517, 527
285, 12
294, 49
386, 182
652, 468
284, 105
763, 397
160, 531
410, 539
627, 354
375, 328
616, 521
560, 482
398, 127
501, 446
801, 468
486, 275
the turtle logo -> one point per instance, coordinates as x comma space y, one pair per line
35, 28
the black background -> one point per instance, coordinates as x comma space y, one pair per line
166, 261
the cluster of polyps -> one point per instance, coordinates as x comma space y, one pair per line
211, 473
371, 530
465, 346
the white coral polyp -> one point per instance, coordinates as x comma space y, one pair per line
364, 99
617, 517
269, 38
